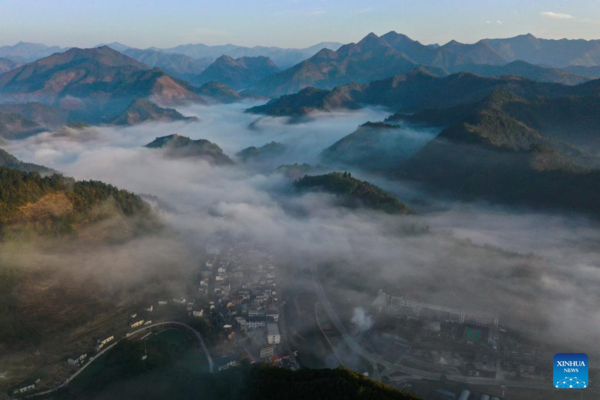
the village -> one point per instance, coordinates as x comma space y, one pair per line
241, 284
236, 292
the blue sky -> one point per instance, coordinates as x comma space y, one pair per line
288, 23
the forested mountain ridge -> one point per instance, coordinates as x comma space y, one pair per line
418, 90
352, 192
178, 146
57, 204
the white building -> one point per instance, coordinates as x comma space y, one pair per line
439, 313
273, 336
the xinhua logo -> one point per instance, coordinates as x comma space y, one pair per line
571, 371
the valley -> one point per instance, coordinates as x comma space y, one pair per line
379, 218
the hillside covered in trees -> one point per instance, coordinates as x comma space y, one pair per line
172, 379
178, 146
352, 192
56, 203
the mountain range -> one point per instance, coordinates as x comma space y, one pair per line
94, 85
554, 53
28, 52
327, 65
524, 149
177, 65
98, 85
379, 57
417, 90
283, 58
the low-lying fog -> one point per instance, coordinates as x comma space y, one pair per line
538, 272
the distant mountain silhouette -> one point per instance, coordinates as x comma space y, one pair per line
120, 47
176, 65
283, 58
27, 52
376, 58
237, 74
554, 53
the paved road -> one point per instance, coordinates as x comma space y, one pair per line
285, 340
415, 373
211, 365
80, 370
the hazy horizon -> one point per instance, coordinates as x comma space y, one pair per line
283, 47
284, 24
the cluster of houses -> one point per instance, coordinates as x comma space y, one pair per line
24, 388
243, 287
248, 292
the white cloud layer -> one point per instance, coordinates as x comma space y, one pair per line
555, 15
536, 270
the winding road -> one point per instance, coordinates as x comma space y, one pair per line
128, 335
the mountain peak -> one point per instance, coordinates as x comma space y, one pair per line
397, 37
325, 53
528, 37
370, 40
225, 58
103, 54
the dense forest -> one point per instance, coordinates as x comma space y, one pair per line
125, 375
77, 199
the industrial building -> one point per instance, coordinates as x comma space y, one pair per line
429, 311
